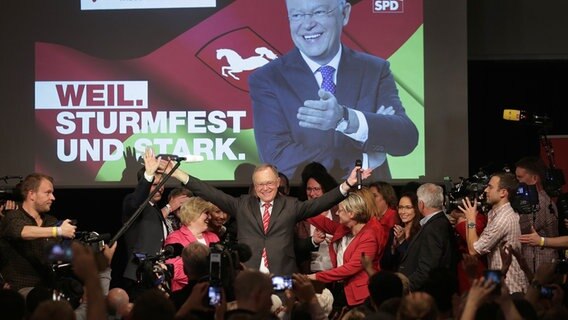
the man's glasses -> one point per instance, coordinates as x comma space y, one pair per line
314, 189
318, 14
265, 184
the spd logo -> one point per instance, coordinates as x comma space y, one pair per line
388, 6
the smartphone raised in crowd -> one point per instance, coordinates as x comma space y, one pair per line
281, 283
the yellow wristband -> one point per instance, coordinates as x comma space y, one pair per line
54, 232
541, 241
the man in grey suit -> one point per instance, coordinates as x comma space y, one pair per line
273, 248
434, 245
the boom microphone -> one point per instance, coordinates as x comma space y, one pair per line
359, 163
524, 116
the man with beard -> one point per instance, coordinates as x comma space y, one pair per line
27, 232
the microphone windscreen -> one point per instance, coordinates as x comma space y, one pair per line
173, 250
244, 252
512, 115
193, 158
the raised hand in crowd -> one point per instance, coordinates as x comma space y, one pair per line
196, 303
8, 205
544, 275
399, 235
108, 252
85, 268
151, 163
522, 263
176, 202
505, 251
303, 292
478, 293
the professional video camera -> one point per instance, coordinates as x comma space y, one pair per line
10, 193
59, 254
153, 272
471, 188
92, 239
224, 262
525, 201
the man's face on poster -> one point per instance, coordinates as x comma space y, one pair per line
315, 26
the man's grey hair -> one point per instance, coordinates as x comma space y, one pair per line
432, 195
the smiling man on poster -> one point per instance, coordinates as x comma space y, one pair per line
325, 102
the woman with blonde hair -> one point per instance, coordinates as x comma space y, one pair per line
194, 218
356, 234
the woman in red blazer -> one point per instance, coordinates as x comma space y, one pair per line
194, 216
355, 234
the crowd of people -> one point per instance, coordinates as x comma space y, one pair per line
349, 253
344, 251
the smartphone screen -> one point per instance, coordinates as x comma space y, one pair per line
60, 252
495, 276
214, 295
281, 283
546, 292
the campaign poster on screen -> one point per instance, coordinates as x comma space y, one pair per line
189, 95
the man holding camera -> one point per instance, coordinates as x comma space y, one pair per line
502, 227
531, 171
27, 232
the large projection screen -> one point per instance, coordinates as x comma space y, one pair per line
88, 84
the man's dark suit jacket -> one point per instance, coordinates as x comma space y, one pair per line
146, 235
364, 83
286, 212
432, 247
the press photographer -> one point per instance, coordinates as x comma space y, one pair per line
472, 188
540, 213
502, 226
153, 271
26, 232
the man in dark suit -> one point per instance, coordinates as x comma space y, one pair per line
147, 233
272, 246
324, 102
311, 244
434, 245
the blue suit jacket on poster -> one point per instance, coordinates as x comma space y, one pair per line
364, 83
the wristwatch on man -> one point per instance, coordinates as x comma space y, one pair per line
344, 121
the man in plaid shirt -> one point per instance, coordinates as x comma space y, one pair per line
502, 228
531, 170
